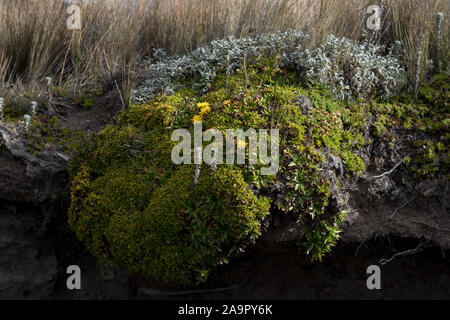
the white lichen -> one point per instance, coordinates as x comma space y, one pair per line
48, 81
438, 32
349, 68
206, 62
417, 79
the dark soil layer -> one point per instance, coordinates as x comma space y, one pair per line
287, 274
342, 275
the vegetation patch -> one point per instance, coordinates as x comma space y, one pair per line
132, 206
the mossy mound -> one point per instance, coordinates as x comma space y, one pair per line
178, 232
132, 206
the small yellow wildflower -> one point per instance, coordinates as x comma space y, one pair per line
197, 118
205, 110
202, 105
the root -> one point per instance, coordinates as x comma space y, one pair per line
390, 171
361, 244
396, 210
429, 225
405, 253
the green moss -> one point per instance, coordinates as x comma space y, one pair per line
125, 210
86, 100
174, 236
132, 206
437, 92
429, 116
48, 132
431, 157
15, 108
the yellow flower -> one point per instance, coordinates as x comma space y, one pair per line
202, 105
197, 118
204, 110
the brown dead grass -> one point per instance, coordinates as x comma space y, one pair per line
35, 42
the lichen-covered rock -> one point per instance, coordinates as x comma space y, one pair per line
28, 177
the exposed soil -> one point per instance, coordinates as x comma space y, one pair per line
92, 119
287, 274
282, 270
342, 275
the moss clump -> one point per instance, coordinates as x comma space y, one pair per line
437, 92
133, 207
184, 240
15, 108
176, 232
428, 117
431, 157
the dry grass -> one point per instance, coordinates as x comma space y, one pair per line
35, 42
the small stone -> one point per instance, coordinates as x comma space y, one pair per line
305, 104
336, 164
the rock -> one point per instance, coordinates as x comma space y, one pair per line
335, 163
36, 246
305, 104
29, 183
426, 188
395, 194
32, 178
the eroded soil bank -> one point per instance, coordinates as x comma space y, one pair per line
287, 274
36, 245
37, 249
